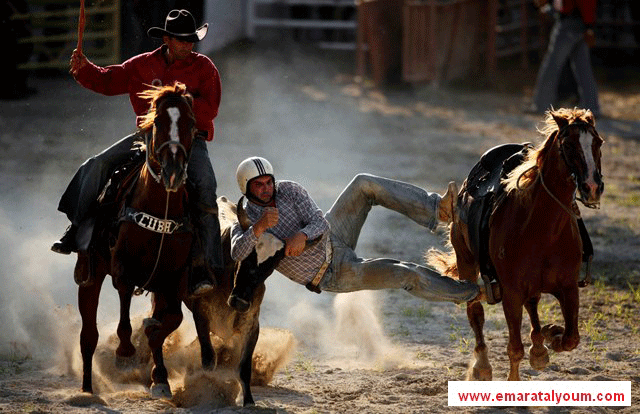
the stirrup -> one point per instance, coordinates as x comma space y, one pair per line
492, 289
238, 303
587, 273
202, 289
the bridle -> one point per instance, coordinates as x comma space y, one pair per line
157, 151
156, 157
561, 132
158, 178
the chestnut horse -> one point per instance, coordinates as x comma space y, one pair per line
150, 245
534, 241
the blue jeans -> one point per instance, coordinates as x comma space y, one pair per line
348, 272
566, 43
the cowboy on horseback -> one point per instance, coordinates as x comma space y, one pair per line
174, 61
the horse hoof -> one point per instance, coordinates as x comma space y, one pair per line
480, 374
149, 322
125, 363
160, 391
238, 304
538, 357
549, 331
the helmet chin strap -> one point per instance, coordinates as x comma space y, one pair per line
259, 202
255, 199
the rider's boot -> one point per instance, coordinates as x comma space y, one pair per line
208, 260
448, 201
67, 243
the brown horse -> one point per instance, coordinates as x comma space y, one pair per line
149, 247
534, 243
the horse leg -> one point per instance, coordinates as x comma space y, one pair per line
88, 306
567, 338
125, 349
201, 321
538, 353
515, 349
468, 270
165, 319
481, 370
246, 364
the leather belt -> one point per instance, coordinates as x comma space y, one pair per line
313, 285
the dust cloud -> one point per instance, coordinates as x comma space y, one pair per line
38, 309
41, 321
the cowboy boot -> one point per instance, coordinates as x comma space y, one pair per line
447, 207
208, 261
67, 243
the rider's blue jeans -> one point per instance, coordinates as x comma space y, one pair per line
348, 272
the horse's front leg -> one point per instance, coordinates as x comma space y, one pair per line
513, 314
247, 362
88, 307
538, 353
568, 338
165, 319
201, 321
481, 369
125, 349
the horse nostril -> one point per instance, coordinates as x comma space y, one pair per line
585, 188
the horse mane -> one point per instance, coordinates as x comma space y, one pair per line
525, 174
155, 93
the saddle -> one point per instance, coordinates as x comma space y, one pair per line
481, 193
99, 231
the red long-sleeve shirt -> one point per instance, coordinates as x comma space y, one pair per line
135, 75
587, 9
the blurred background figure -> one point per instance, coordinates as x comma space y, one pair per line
571, 38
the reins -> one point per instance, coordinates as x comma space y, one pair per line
565, 208
140, 290
539, 178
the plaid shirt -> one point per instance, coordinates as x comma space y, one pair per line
296, 212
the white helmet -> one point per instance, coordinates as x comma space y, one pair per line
252, 167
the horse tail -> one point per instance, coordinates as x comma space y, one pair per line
443, 261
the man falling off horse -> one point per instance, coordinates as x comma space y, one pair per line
285, 209
174, 61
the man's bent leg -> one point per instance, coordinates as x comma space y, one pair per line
349, 212
207, 248
350, 274
79, 199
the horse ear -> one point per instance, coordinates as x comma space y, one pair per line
243, 218
560, 121
588, 116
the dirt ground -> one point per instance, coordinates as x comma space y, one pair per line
369, 352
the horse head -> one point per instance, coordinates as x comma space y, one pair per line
579, 144
172, 121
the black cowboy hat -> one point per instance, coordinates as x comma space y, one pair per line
181, 25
